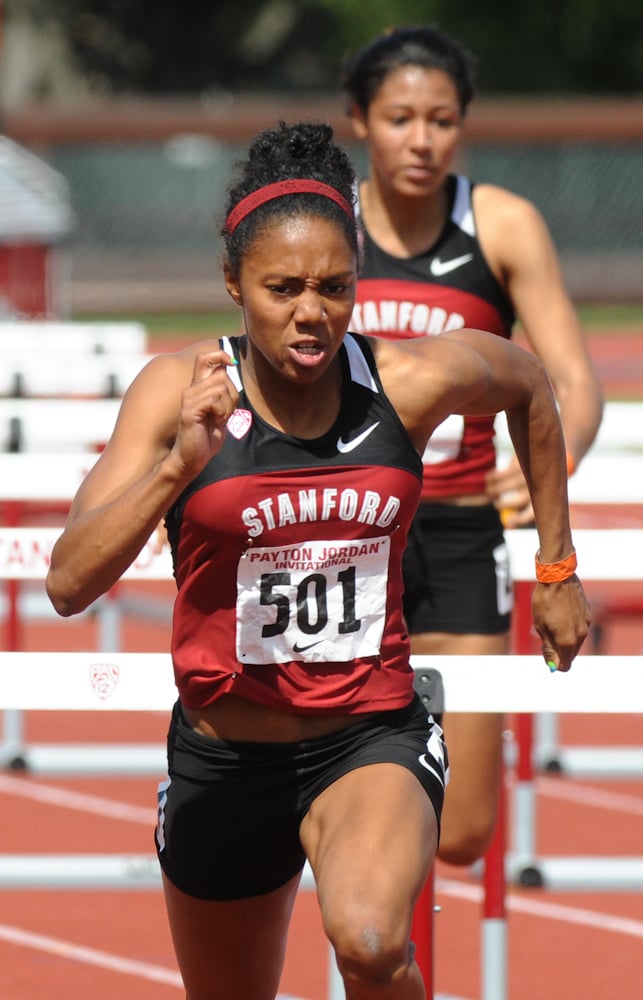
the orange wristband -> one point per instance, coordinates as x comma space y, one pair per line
571, 464
556, 572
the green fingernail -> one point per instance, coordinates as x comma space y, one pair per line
552, 666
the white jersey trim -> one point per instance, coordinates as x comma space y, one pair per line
360, 372
462, 213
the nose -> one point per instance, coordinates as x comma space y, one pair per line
421, 135
310, 307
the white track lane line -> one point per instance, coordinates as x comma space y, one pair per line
89, 956
545, 910
586, 795
81, 801
101, 959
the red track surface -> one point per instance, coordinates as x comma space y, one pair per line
103, 945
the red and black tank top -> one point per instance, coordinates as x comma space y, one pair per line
447, 287
287, 557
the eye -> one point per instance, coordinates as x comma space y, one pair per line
444, 122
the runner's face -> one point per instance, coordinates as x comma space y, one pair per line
297, 287
412, 127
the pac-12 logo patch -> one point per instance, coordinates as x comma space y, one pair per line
103, 678
239, 423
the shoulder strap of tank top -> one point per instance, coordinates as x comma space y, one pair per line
462, 211
231, 346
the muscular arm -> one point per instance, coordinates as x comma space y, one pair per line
520, 250
474, 373
170, 423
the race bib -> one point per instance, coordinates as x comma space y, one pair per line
315, 602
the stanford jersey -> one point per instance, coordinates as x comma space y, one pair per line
448, 287
287, 556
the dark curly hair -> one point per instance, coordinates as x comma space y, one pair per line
304, 150
364, 71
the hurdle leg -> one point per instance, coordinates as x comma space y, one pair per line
12, 746
524, 818
548, 749
422, 932
494, 923
335, 982
13, 631
109, 616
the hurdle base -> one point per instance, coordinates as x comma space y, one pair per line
590, 762
577, 873
86, 759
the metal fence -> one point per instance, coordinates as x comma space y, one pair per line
148, 192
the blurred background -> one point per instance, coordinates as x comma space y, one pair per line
120, 121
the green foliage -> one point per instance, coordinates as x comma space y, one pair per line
198, 46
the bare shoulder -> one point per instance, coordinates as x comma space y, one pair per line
510, 228
499, 211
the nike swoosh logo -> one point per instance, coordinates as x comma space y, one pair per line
302, 649
345, 446
440, 267
425, 763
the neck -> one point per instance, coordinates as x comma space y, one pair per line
402, 225
304, 410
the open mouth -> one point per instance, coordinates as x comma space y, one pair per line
308, 354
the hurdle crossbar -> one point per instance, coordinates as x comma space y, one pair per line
25, 555
99, 681
72, 338
603, 554
615, 478
40, 374
90, 681
144, 682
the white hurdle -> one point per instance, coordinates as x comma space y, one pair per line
71, 338
24, 556
620, 430
56, 425
611, 554
40, 374
605, 554
139, 682
609, 474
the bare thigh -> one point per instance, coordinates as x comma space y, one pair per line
371, 839
475, 746
231, 949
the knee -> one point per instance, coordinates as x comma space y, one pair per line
372, 946
467, 844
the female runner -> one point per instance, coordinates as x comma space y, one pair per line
442, 253
287, 464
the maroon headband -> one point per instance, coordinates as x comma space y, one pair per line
278, 190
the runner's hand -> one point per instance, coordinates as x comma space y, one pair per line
562, 617
206, 405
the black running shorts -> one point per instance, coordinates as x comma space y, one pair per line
229, 813
456, 571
